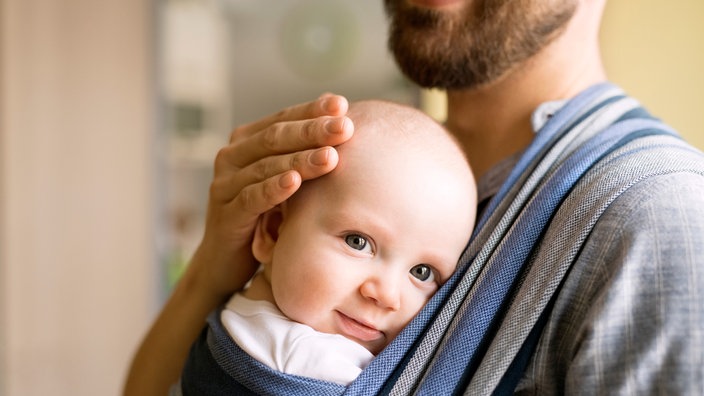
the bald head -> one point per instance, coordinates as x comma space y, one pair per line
388, 119
389, 129
396, 145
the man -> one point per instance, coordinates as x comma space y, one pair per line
600, 211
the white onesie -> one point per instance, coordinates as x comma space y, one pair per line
261, 330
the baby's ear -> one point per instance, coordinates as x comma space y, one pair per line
266, 234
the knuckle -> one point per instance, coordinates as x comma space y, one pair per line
270, 137
236, 133
220, 156
260, 170
215, 191
282, 114
247, 199
257, 198
309, 132
297, 161
268, 194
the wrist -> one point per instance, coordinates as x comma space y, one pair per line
198, 282
214, 274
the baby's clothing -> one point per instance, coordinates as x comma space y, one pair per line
261, 330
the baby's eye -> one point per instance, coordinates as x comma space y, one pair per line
423, 272
357, 242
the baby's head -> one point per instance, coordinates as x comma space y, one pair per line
358, 252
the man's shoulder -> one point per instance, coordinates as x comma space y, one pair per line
659, 220
653, 193
663, 183
633, 292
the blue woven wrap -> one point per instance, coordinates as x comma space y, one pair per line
474, 333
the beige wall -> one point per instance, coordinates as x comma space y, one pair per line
654, 49
76, 244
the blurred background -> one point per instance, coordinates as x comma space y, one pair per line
111, 113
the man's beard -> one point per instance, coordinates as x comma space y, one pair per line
473, 47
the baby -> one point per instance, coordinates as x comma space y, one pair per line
354, 255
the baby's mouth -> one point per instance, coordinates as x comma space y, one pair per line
354, 329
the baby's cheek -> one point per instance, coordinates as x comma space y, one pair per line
302, 306
410, 310
414, 305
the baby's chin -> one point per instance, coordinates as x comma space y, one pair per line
375, 347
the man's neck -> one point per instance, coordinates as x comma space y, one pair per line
494, 121
488, 125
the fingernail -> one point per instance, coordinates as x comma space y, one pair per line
332, 126
335, 126
324, 104
319, 157
287, 180
329, 105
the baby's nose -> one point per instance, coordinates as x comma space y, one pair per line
384, 290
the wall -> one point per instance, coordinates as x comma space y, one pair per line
654, 50
76, 181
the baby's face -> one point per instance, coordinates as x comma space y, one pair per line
361, 253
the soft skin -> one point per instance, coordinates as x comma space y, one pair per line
360, 251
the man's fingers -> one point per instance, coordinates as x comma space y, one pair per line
229, 182
289, 137
325, 105
258, 198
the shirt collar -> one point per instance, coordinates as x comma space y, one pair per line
544, 112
